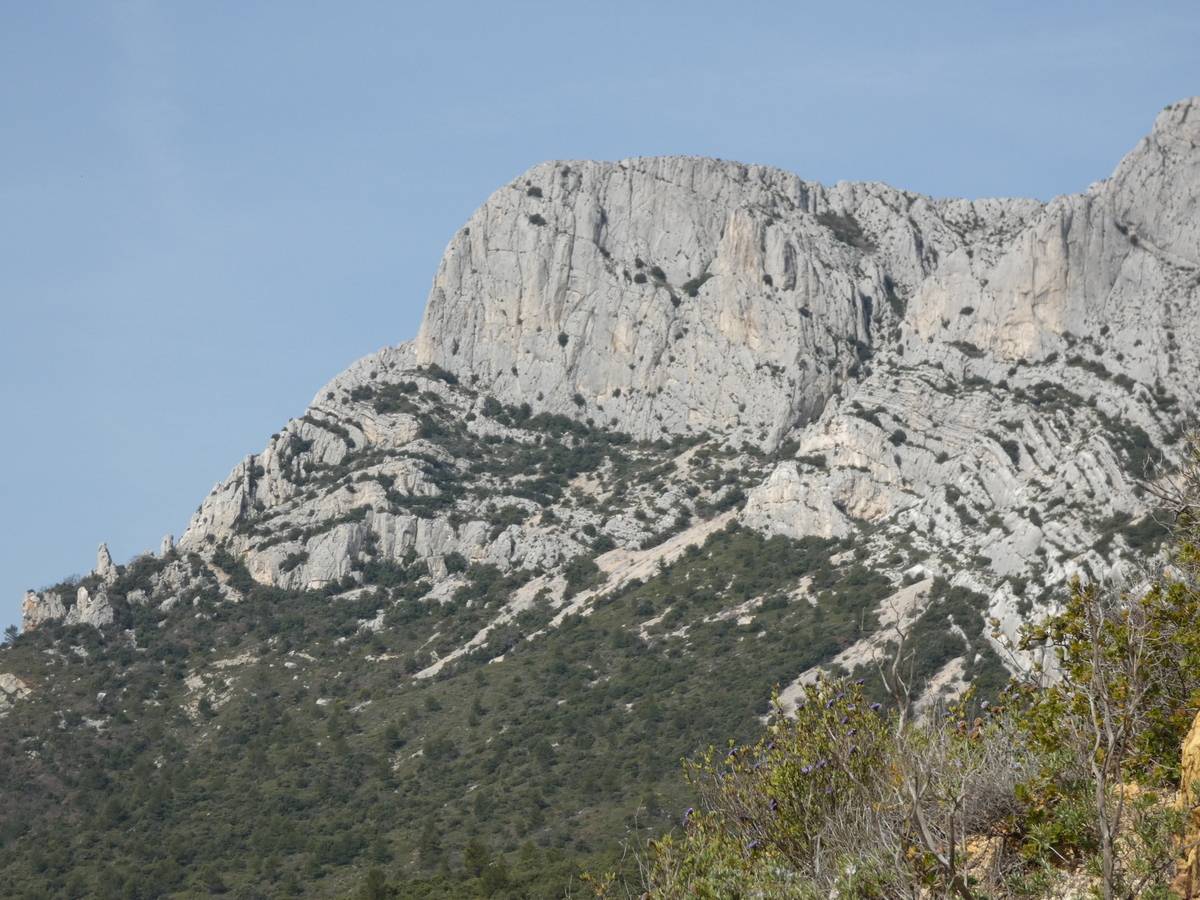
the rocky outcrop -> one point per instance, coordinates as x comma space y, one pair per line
75, 604
788, 504
40, 608
12, 690
106, 569
90, 609
162, 581
1117, 264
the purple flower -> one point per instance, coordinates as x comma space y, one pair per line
687, 814
861, 682
876, 707
753, 845
774, 805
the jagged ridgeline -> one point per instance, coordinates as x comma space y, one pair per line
674, 432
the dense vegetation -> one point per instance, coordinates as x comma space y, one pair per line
281, 746
312, 756
1067, 785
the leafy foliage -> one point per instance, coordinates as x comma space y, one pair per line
1075, 769
249, 785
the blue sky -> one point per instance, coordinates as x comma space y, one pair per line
209, 209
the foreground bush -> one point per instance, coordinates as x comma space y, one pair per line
1068, 784
848, 801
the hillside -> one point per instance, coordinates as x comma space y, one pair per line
674, 432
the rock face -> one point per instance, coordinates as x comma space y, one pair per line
978, 385
106, 569
12, 689
1187, 879
787, 503
39, 608
682, 295
90, 609
91, 603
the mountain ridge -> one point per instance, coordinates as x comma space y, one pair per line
662, 447
744, 303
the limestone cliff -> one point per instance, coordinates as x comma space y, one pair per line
976, 384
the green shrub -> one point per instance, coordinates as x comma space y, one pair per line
846, 229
